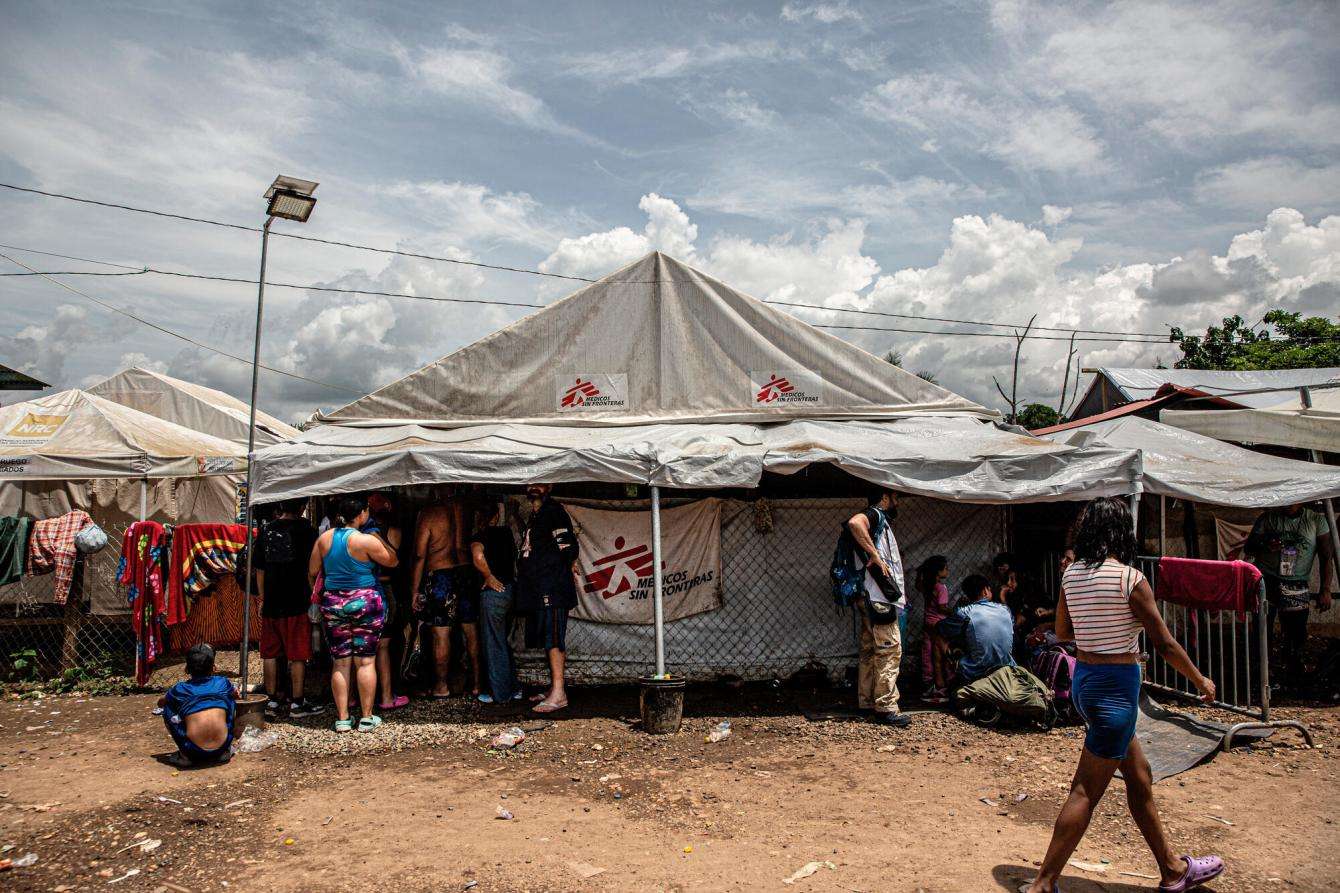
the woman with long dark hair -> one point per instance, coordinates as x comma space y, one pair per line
1105, 603
352, 607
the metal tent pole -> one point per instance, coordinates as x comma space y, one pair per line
144, 499
1135, 518
1163, 524
657, 601
251, 449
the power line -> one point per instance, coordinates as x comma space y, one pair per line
1137, 337
481, 265
989, 334
166, 331
77, 273
255, 229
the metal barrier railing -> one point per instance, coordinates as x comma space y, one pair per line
1231, 648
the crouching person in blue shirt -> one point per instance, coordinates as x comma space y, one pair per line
199, 711
982, 629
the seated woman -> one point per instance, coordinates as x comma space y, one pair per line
199, 711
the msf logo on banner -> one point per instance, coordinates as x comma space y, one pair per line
621, 571
777, 388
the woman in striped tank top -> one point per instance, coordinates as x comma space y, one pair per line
1104, 605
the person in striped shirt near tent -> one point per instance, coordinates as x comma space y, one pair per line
1104, 605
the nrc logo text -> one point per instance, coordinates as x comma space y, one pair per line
33, 425
619, 571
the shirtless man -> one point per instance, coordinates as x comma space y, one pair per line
445, 586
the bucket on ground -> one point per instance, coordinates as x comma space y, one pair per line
662, 703
250, 712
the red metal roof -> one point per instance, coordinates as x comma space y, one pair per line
1165, 394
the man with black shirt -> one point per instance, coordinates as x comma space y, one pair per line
545, 586
493, 551
282, 553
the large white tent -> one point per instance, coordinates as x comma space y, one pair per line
661, 375
191, 405
1284, 423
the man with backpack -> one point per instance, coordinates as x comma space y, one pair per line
879, 597
282, 553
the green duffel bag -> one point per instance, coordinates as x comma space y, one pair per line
1009, 691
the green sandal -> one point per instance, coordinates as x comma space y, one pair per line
344, 725
369, 723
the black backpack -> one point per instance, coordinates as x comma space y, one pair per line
277, 544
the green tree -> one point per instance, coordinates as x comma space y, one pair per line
1298, 343
1037, 415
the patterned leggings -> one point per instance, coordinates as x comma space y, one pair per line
353, 620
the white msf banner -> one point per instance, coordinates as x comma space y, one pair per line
614, 583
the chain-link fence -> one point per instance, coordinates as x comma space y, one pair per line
777, 615
41, 637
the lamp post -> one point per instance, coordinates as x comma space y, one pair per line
290, 199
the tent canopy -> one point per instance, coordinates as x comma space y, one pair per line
194, 406
1190, 466
1143, 384
1283, 423
960, 459
657, 341
76, 435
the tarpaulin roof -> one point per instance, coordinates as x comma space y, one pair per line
1141, 384
1190, 466
961, 459
656, 341
192, 405
76, 435
1286, 423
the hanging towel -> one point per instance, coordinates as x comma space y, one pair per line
1213, 585
51, 548
144, 553
201, 554
13, 546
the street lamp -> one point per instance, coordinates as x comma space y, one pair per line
290, 199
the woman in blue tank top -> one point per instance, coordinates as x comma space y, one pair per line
352, 607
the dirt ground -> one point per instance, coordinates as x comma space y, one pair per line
599, 806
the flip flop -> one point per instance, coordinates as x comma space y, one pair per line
535, 699
395, 703
344, 725
369, 723
1199, 869
548, 707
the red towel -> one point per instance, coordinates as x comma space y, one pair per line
51, 547
141, 572
1213, 585
201, 554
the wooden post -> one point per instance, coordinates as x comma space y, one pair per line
73, 619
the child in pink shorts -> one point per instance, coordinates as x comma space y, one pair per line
930, 580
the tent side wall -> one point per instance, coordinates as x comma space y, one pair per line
777, 615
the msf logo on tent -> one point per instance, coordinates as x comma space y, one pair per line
579, 394
620, 571
775, 388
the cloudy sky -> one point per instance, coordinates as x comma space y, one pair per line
1118, 167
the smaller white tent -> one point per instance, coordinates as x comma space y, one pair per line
1186, 465
75, 434
194, 406
1285, 423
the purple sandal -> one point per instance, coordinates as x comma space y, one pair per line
1199, 869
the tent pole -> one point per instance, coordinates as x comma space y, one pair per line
251, 451
1163, 523
1326, 503
144, 499
1135, 518
657, 601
